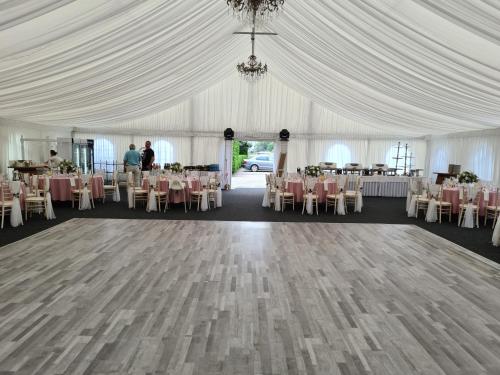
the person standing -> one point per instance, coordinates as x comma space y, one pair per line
131, 162
148, 157
54, 160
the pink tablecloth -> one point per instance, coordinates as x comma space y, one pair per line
297, 188
452, 195
60, 187
175, 196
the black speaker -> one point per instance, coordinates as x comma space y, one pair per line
284, 135
228, 134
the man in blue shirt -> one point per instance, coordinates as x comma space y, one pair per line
131, 162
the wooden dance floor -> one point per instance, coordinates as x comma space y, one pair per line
94, 296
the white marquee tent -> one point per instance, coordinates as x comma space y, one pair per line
348, 79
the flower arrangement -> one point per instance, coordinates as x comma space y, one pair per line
67, 166
175, 167
312, 170
467, 177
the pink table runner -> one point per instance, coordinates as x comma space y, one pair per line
452, 195
297, 188
60, 187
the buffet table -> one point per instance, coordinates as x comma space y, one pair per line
383, 186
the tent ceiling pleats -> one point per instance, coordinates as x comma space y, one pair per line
409, 66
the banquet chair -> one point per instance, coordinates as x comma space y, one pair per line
353, 196
156, 194
78, 190
333, 198
212, 190
436, 202
270, 188
286, 197
37, 203
176, 185
153, 201
6, 200
310, 191
281, 194
32, 185
469, 200
112, 189
135, 193
492, 210
422, 201
197, 195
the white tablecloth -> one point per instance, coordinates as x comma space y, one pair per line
384, 186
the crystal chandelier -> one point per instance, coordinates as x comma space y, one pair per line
255, 9
253, 69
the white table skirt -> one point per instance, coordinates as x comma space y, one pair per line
383, 186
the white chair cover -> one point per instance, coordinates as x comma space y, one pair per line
265, 200
486, 194
358, 204
340, 205
496, 234
130, 191
204, 200
219, 197
277, 200
431, 215
49, 211
468, 220
16, 216
85, 201
152, 202
116, 193
412, 209
309, 204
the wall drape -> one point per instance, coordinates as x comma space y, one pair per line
478, 152
10, 141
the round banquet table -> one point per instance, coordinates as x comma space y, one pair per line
60, 187
297, 188
452, 195
176, 196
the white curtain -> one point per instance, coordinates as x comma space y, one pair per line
387, 66
478, 152
10, 142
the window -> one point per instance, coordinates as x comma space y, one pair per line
104, 154
104, 150
339, 154
266, 158
164, 152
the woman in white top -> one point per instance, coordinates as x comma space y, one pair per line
54, 160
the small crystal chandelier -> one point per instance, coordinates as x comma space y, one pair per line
255, 9
253, 70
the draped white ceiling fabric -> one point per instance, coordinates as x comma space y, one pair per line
411, 67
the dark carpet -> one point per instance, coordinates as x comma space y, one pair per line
245, 205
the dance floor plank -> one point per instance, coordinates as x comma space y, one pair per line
108, 296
